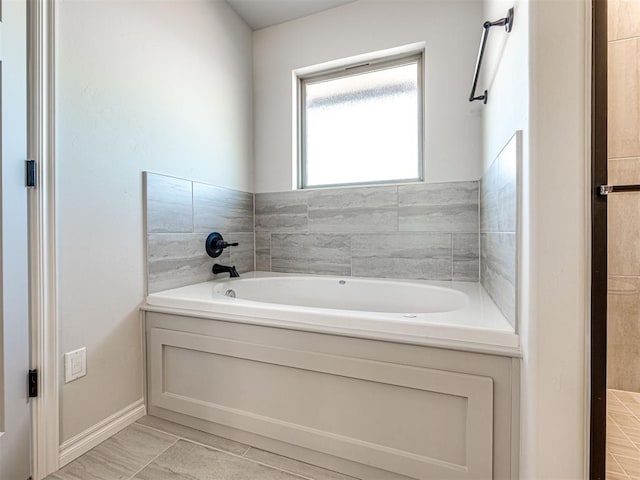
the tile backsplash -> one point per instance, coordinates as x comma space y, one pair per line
417, 231
179, 216
498, 213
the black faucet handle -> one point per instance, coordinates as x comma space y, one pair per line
215, 244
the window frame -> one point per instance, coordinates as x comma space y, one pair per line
353, 69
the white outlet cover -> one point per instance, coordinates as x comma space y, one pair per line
75, 364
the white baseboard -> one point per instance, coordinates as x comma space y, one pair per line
98, 433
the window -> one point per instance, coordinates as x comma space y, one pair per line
361, 124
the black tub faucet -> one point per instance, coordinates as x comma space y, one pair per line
217, 268
214, 245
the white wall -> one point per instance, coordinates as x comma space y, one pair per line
505, 75
451, 30
555, 305
536, 78
149, 85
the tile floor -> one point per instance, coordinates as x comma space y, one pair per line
623, 435
154, 449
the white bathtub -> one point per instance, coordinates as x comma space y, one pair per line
304, 366
458, 315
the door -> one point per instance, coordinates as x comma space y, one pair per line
14, 313
615, 332
598, 334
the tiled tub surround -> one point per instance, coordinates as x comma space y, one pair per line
418, 231
179, 216
498, 210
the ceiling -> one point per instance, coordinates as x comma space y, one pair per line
264, 13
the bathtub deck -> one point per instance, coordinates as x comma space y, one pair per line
479, 326
155, 449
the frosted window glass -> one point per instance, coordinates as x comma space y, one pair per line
362, 128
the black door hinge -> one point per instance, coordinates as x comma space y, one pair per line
32, 174
33, 383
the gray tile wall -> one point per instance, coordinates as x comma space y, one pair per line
179, 216
446, 231
418, 231
498, 210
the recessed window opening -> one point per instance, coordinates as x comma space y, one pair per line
361, 124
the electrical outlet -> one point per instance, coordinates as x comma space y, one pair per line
75, 364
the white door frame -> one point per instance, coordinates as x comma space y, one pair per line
42, 236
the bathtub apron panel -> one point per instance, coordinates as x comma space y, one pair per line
367, 408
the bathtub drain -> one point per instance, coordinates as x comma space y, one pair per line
230, 293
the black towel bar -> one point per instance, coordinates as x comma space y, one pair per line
507, 22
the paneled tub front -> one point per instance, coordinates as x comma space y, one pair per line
420, 386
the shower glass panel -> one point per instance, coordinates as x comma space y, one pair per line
623, 230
